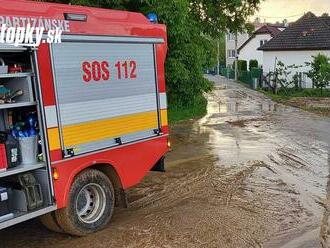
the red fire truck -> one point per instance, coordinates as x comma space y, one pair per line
82, 120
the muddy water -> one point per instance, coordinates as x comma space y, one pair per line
249, 174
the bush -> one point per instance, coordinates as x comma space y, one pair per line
320, 71
253, 63
242, 65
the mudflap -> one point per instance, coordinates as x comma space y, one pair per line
159, 166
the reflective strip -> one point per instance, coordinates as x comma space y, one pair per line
89, 147
106, 108
164, 118
54, 139
117, 123
83, 133
163, 100
51, 117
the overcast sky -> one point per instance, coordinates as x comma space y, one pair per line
290, 8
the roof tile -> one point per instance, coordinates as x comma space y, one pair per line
308, 33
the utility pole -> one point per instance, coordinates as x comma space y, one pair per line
236, 57
218, 57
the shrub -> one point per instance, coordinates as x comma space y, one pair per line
242, 65
320, 71
253, 63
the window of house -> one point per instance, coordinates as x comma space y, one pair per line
263, 42
231, 53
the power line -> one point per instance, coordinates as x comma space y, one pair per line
279, 17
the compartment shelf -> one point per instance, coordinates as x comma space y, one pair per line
21, 169
16, 75
22, 216
17, 105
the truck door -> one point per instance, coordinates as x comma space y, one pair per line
106, 91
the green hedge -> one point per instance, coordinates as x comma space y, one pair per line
253, 63
242, 65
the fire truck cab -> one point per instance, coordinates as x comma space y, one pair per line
82, 120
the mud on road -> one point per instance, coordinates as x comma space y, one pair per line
251, 173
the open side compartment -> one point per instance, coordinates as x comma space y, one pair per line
26, 189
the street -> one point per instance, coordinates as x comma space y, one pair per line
251, 173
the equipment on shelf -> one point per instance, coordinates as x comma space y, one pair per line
25, 131
6, 96
3, 67
4, 207
29, 149
12, 149
15, 68
25, 126
32, 190
3, 158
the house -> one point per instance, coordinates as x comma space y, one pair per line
307, 37
241, 39
249, 49
230, 46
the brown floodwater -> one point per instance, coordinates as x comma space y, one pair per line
251, 173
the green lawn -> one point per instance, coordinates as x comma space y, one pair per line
290, 93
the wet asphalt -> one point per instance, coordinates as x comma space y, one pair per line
251, 173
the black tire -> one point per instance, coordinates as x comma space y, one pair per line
50, 222
70, 218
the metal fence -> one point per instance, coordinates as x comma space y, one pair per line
300, 82
252, 78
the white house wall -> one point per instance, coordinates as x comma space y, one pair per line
230, 45
249, 51
290, 58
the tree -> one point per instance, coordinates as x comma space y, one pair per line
325, 15
320, 71
285, 22
280, 77
257, 20
193, 26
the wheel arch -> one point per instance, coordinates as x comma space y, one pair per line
65, 182
111, 173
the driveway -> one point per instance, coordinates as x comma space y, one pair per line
251, 173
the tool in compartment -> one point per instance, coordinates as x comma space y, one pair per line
6, 96
31, 189
3, 158
4, 206
15, 68
26, 190
11, 147
3, 67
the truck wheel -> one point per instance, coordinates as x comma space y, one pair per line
50, 222
91, 204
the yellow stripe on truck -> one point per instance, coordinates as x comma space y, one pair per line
110, 128
163, 116
103, 129
54, 139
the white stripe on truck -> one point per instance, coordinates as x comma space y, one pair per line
106, 108
163, 100
51, 116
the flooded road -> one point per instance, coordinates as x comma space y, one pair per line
249, 174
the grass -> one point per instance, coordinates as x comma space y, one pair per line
181, 113
319, 110
290, 93
306, 99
